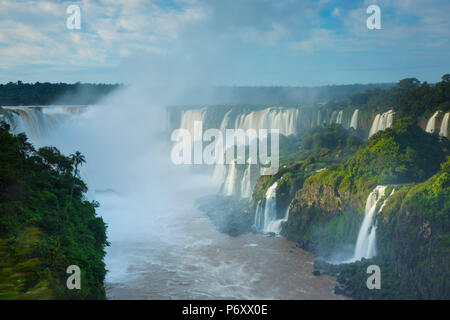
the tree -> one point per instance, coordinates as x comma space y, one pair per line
408, 83
77, 160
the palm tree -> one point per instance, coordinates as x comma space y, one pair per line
77, 160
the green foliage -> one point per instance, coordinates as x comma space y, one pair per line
329, 144
46, 225
409, 98
412, 242
402, 154
21, 94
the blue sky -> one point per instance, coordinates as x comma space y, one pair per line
224, 42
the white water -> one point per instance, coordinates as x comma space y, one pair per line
382, 122
231, 179
219, 174
354, 120
246, 185
431, 123
366, 243
189, 117
266, 213
339, 117
444, 126
38, 122
285, 120
275, 225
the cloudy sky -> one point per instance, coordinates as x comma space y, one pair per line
224, 42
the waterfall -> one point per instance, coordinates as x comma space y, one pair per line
224, 123
268, 212
339, 117
444, 126
266, 219
230, 182
220, 170
319, 119
354, 120
219, 174
366, 243
246, 185
382, 122
259, 218
285, 120
431, 124
275, 225
189, 117
333, 117
37, 122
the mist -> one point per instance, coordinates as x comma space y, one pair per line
128, 167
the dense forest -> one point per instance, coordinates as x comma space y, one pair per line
409, 97
21, 94
26, 94
46, 224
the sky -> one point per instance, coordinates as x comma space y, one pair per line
224, 42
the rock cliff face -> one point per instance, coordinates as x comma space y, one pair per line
414, 238
412, 228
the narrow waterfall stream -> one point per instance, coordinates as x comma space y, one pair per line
366, 242
266, 218
431, 123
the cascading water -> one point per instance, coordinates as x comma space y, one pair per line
382, 122
246, 185
275, 225
431, 123
230, 182
444, 126
219, 174
266, 219
189, 117
366, 243
339, 117
37, 122
220, 170
285, 120
354, 120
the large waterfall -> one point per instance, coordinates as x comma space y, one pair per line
285, 120
189, 117
354, 120
266, 217
431, 124
382, 122
366, 243
37, 122
444, 126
